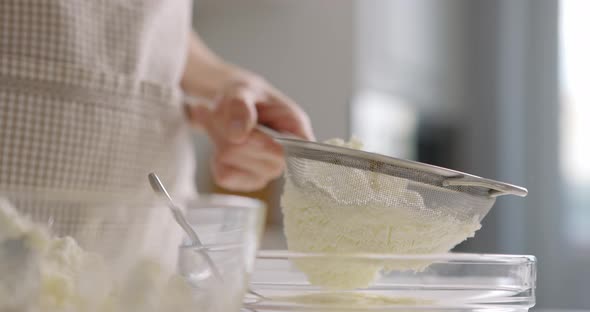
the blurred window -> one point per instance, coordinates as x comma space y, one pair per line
575, 119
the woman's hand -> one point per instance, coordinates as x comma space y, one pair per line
246, 159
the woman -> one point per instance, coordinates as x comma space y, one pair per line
91, 100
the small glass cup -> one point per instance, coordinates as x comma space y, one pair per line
230, 229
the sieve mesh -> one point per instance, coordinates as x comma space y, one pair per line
353, 180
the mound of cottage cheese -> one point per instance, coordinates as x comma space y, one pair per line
39, 272
347, 210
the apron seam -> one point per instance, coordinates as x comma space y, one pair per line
59, 73
89, 96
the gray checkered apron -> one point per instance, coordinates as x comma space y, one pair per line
89, 105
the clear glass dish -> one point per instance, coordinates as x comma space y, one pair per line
230, 229
451, 282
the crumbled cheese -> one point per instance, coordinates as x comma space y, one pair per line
56, 275
339, 215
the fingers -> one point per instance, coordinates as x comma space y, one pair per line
242, 105
236, 112
259, 153
287, 118
246, 159
302, 125
238, 179
244, 167
248, 166
284, 115
233, 117
235, 178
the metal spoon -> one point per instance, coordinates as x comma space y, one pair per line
159, 188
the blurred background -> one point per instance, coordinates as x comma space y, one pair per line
496, 88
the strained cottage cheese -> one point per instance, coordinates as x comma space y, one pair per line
349, 217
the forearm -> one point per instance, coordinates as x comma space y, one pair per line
205, 73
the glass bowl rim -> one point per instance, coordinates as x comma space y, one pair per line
523, 297
203, 201
451, 256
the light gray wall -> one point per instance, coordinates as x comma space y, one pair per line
415, 50
304, 47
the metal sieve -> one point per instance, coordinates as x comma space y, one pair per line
319, 169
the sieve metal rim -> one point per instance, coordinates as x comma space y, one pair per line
450, 178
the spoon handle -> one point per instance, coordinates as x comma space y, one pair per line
181, 220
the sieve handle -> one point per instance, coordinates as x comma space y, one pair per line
495, 188
276, 134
